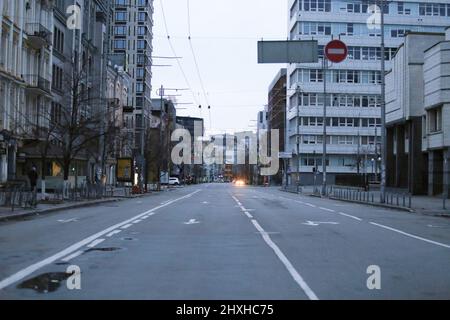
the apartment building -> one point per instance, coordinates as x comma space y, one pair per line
353, 100
276, 115
131, 43
25, 78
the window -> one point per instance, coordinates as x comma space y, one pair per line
120, 44
141, 30
317, 5
435, 120
120, 30
120, 16
58, 40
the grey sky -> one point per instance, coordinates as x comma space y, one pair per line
224, 38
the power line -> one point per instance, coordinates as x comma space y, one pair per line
175, 54
196, 62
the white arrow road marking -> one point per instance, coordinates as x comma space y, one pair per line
74, 247
317, 223
192, 221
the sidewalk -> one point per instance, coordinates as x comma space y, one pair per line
420, 204
7, 214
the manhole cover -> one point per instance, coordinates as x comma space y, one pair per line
46, 282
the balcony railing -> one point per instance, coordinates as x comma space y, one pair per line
38, 34
36, 82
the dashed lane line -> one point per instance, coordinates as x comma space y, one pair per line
76, 246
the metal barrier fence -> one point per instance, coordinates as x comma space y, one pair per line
292, 189
17, 197
360, 195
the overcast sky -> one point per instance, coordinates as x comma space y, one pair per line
224, 39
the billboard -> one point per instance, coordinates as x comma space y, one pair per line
298, 51
125, 170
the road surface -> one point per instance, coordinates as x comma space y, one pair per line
220, 241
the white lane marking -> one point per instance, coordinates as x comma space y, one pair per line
72, 256
38, 265
326, 209
311, 205
411, 235
281, 256
137, 221
248, 214
317, 223
205, 202
127, 226
143, 218
350, 216
95, 242
113, 233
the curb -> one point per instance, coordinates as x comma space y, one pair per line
50, 210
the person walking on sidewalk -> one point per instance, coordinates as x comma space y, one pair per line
33, 177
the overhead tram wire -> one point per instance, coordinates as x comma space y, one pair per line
175, 54
196, 61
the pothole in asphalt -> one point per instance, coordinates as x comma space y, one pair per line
104, 249
46, 282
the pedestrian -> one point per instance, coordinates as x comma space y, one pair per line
33, 177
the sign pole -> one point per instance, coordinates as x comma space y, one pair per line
324, 154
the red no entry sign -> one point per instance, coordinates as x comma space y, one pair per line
336, 51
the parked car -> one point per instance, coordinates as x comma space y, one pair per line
174, 181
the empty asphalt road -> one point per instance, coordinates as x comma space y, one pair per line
220, 241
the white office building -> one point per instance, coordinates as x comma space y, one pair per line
353, 101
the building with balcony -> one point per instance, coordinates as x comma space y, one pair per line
25, 78
353, 101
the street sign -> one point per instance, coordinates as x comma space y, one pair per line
298, 51
336, 51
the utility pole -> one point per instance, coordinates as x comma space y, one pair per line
324, 154
297, 90
383, 109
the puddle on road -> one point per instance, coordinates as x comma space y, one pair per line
103, 249
46, 282
128, 239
